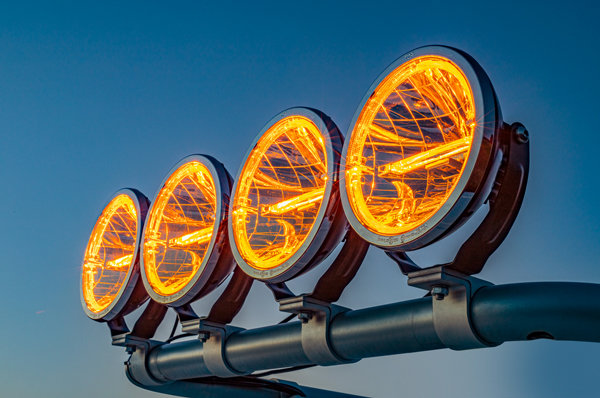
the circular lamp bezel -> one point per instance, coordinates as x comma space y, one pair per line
482, 161
330, 223
131, 294
218, 261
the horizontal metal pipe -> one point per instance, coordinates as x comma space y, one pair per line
249, 347
399, 328
525, 311
559, 310
177, 361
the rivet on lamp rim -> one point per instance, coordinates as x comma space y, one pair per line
428, 125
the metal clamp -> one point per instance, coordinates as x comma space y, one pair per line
213, 336
136, 364
316, 317
452, 292
132, 342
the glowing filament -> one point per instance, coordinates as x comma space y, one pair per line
384, 136
199, 237
296, 203
120, 264
427, 159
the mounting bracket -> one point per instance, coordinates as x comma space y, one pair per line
138, 348
451, 293
316, 317
213, 335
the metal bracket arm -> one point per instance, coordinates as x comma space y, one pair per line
451, 299
315, 316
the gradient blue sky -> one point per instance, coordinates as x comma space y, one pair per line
102, 95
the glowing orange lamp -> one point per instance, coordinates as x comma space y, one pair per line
110, 285
426, 147
285, 215
185, 247
425, 126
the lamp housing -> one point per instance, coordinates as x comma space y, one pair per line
186, 250
285, 216
423, 149
110, 283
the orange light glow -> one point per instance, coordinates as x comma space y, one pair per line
409, 145
121, 264
426, 159
109, 254
179, 228
299, 202
279, 192
199, 237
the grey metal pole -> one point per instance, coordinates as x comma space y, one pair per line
558, 310
525, 311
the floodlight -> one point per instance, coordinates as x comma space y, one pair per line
285, 216
110, 286
425, 149
185, 247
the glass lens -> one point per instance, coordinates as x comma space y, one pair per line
179, 228
409, 145
109, 253
279, 193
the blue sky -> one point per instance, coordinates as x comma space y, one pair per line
102, 95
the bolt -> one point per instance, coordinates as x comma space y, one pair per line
130, 349
203, 336
304, 317
439, 292
521, 133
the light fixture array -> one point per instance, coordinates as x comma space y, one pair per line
426, 148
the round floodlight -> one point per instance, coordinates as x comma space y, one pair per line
185, 247
422, 150
285, 215
109, 280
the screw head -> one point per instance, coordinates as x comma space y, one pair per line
439, 292
304, 317
521, 133
203, 336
